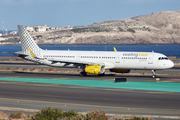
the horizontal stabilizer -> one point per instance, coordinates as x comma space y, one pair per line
18, 54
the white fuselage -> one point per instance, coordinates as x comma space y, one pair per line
111, 60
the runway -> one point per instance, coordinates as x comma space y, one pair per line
82, 99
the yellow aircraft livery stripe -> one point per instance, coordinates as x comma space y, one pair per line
31, 53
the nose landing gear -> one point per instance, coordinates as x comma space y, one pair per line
154, 74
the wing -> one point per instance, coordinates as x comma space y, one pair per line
76, 63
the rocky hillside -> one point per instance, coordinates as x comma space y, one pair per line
156, 28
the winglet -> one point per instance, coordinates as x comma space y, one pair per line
32, 54
115, 49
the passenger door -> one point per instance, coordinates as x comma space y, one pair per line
117, 59
78, 57
150, 59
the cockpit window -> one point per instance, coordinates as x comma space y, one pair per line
162, 58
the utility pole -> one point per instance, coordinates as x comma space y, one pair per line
3, 26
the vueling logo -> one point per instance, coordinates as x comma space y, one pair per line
142, 55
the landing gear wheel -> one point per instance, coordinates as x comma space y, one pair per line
82, 74
101, 74
154, 74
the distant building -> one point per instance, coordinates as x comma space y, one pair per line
6, 31
40, 28
53, 28
0, 34
2, 39
70, 27
47, 27
30, 29
60, 28
13, 32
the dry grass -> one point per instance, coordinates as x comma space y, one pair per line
44, 70
35, 70
3, 116
9, 68
17, 116
53, 69
172, 57
91, 115
18, 69
26, 70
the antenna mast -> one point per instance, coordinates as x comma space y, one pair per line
3, 26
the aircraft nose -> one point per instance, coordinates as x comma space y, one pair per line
171, 64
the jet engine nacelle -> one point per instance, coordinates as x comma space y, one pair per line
120, 70
95, 69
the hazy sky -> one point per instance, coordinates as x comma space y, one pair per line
58, 13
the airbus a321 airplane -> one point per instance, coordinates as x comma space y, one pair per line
92, 62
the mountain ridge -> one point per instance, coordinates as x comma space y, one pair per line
155, 28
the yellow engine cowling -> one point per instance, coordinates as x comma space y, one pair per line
120, 70
95, 69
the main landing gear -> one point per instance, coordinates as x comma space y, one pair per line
101, 74
83, 74
154, 74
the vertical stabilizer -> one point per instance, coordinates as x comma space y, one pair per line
27, 42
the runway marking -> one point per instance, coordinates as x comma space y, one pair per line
62, 103
12, 82
87, 87
140, 91
109, 80
30, 84
53, 85
127, 90
118, 89
164, 81
145, 86
14, 77
45, 84
91, 88
160, 92
78, 87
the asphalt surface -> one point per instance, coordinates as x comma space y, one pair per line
82, 99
